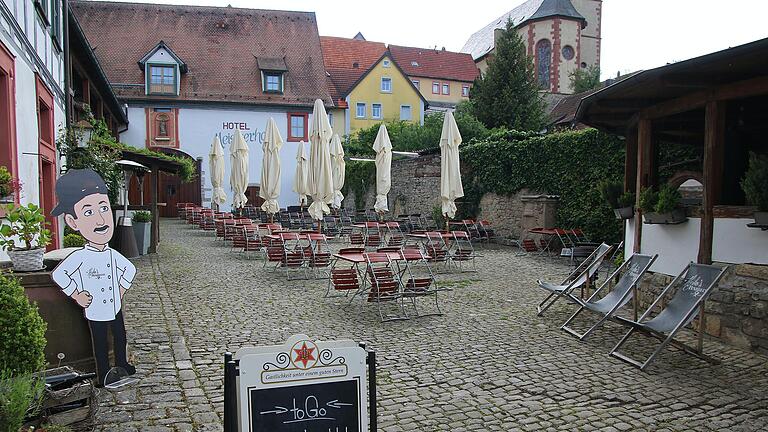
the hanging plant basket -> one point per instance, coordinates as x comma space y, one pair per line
672, 218
27, 260
624, 212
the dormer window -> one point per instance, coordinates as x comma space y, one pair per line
273, 72
162, 71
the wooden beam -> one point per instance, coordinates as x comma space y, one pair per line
630, 162
714, 143
644, 156
154, 234
740, 89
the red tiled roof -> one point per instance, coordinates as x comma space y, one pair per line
340, 56
431, 63
220, 45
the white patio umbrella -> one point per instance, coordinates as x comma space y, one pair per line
216, 167
383, 148
450, 175
339, 167
320, 172
300, 178
238, 176
270, 168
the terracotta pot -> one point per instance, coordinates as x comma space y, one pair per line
27, 260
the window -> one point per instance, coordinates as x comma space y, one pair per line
273, 82
376, 111
7, 113
435, 88
45, 122
297, 126
416, 84
360, 110
465, 90
405, 112
543, 63
56, 22
446, 89
414, 63
162, 80
386, 85
43, 9
330, 119
568, 52
385, 63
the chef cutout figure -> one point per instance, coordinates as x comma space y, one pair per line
96, 277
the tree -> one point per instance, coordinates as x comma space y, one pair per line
507, 94
585, 79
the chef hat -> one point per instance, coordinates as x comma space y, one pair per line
75, 185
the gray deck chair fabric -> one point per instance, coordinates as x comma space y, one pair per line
694, 284
633, 270
583, 273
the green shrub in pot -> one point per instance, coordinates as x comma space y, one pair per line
648, 200
6, 182
22, 339
668, 199
627, 199
142, 223
24, 236
74, 240
755, 186
142, 216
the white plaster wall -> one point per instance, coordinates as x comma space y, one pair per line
197, 128
734, 242
26, 133
569, 32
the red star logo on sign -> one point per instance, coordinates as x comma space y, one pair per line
304, 354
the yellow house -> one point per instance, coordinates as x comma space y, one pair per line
368, 86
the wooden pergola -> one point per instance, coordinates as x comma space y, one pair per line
718, 102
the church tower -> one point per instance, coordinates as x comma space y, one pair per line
589, 46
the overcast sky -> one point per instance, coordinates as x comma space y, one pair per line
636, 34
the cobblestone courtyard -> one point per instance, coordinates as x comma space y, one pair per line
488, 364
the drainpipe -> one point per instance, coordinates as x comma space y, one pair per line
67, 67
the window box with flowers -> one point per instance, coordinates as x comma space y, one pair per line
10, 188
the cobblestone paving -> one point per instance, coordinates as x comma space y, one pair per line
488, 364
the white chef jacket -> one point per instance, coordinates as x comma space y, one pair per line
101, 273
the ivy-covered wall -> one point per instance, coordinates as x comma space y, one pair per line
569, 164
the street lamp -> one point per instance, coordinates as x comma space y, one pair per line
126, 239
84, 130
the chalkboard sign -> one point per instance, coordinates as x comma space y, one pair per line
323, 407
301, 386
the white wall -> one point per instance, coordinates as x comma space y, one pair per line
198, 126
677, 245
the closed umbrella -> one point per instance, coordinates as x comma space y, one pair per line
238, 177
300, 178
450, 174
339, 167
383, 148
270, 168
216, 167
320, 173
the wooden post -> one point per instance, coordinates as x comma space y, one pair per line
644, 155
630, 162
155, 233
714, 139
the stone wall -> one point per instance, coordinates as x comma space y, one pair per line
511, 215
737, 310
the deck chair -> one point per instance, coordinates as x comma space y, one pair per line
436, 247
384, 286
583, 274
695, 282
633, 270
418, 287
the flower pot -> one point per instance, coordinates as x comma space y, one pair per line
624, 212
761, 218
27, 260
142, 231
672, 218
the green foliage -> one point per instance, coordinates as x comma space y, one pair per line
19, 397
755, 182
669, 199
585, 79
648, 200
22, 339
627, 199
409, 136
568, 164
507, 94
74, 240
359, 176
5, 182
24, 224
142, 216
438, 217
94, 156
610, 191
55, 428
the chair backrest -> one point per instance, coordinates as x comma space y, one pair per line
588, 268
376, 257
351, 250
289, 236
634, 267
695, 283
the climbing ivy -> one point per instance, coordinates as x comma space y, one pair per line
359, 177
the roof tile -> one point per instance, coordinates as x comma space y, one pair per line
431, 63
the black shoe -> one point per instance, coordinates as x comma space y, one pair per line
129, 368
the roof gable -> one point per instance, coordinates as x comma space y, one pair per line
346, 60
431, 63
387, 55
162, 49
482, 41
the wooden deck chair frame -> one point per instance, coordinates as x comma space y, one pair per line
418, 287
378, 278
463, 250
583, 275
630, 278
318, 254
668, 338
294, 255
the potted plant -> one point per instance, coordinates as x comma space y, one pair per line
662, 207
142, 229
24, 236
8, 186
622, 204
755, 186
